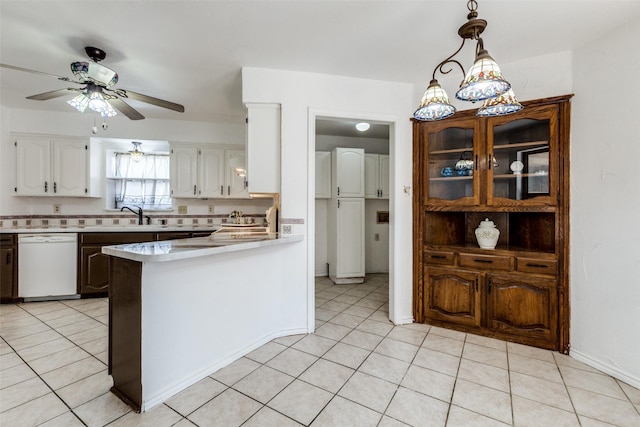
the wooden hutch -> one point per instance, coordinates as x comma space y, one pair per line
519, 179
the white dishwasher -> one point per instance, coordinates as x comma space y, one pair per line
47, 266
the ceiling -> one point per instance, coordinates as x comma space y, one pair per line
191, 52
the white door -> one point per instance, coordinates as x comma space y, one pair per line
383, 175
70, 160
211, 172
350, 237
184, 171
33, 167
371, 179
347, 166
236, 171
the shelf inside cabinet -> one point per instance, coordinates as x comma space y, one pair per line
451, 151
521, 145
452, 178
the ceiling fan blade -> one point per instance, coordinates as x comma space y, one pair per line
26, 70
125, 109
150, 100
50, 95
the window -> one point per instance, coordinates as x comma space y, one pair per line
144, 183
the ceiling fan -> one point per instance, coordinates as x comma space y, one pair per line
97, 92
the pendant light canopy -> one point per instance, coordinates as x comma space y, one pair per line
483, 81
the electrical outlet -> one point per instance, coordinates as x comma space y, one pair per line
182, 209
376, 237
56, 208
210, 209
286, 229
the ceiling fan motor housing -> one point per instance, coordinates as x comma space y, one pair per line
95, 73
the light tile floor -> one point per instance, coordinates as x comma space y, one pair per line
356, 370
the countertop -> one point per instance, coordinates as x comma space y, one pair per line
172, 250
110, 229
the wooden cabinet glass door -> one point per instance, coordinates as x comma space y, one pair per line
522, 159
447, 181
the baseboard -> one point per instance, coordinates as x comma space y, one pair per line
607, 369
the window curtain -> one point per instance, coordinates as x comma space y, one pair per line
143, 184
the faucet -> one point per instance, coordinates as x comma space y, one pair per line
139, 213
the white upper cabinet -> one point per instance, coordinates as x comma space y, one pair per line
376, 176
210, 172
207, 172
347, 172
263, 148
236, 174
323, 174
53, 166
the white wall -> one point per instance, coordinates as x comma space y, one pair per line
605, 205
304, 96
76, 124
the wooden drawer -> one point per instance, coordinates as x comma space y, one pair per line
486, 262
539, 266
115, 238
438, 257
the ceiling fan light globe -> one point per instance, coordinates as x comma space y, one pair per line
80, 102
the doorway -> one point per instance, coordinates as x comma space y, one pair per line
326, 133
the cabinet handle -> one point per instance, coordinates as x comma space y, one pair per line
194, 190
55, 187
438, 257
228, 190
490, 284
338, 191
531, 264
338, 204
476, 162
46, 186
489, 160
476, 284
222, 190
486, 261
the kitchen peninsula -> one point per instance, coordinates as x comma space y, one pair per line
180, 310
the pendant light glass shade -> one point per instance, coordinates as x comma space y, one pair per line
136, 154
500, 105
100, 105
435, 104
80, 102
483, 80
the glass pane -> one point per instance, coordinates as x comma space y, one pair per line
520, 161
451, 164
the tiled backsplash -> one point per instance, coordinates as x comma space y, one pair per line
44, 221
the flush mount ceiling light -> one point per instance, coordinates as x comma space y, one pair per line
362, 127
483, 81
136, 153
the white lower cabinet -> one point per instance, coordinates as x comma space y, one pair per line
204, 172
53, 166
345, 240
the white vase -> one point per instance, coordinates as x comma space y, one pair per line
487, 234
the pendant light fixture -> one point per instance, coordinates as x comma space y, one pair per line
136, 154
483, 81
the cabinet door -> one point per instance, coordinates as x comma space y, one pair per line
452, 295
210, 172
323, 174
8, 274
70, 161
94, 271
445, 145
184, 172
384, 176
349, 238
33, 167
524, 306
263, 148
522, 158
371, 176
347, 172
236, 171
